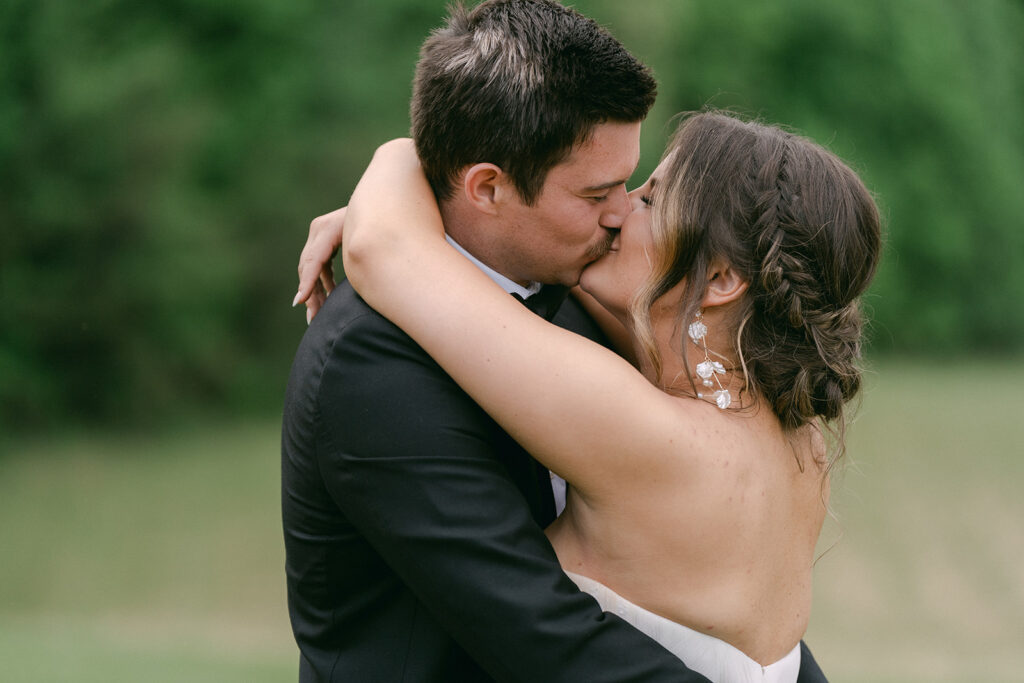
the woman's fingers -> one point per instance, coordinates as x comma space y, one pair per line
327, 280
316, 271
315, 301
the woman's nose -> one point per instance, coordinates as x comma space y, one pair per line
636, 199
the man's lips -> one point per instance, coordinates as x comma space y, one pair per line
599, 250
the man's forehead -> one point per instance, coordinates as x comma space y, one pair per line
607, 158
597, 177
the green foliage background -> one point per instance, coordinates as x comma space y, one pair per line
159, 164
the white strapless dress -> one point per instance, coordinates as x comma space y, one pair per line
715, 659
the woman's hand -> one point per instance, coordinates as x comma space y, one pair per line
316, 269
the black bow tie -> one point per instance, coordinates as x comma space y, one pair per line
546, 302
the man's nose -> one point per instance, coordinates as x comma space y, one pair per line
617, 208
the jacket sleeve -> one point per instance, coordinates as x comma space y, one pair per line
410, 460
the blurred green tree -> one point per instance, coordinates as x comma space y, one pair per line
926, 100
159, 163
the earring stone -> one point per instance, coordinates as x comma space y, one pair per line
708, 370
697, 330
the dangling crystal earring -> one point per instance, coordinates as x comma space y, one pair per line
707, 369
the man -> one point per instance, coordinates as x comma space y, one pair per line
413, 523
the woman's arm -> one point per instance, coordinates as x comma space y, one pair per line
577, 407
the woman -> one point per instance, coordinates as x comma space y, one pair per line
698, 485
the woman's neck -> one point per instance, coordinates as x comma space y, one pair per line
679, 357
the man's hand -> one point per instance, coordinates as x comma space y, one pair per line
316, 272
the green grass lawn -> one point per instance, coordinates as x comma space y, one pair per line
926, 581
144, 559
161, 559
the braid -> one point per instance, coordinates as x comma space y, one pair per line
784, 279
806, 348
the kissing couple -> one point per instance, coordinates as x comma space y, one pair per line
624, 482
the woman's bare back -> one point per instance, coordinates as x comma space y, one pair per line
719, 538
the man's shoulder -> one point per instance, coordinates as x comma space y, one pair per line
345, 312
345, 321
354, 365
350, 341
348, 337
362, 371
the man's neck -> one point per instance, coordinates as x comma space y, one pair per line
505, 283
465, 237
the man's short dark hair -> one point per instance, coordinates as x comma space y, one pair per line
519, 83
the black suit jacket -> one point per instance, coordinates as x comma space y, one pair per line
413, 528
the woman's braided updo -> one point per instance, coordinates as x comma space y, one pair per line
794, 222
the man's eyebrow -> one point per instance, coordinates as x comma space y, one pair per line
605, 186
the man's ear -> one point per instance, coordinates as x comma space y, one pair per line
483, 185
724, 284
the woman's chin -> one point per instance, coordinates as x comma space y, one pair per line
593, 284
588, 280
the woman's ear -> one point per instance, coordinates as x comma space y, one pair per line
482, 185
724, 284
